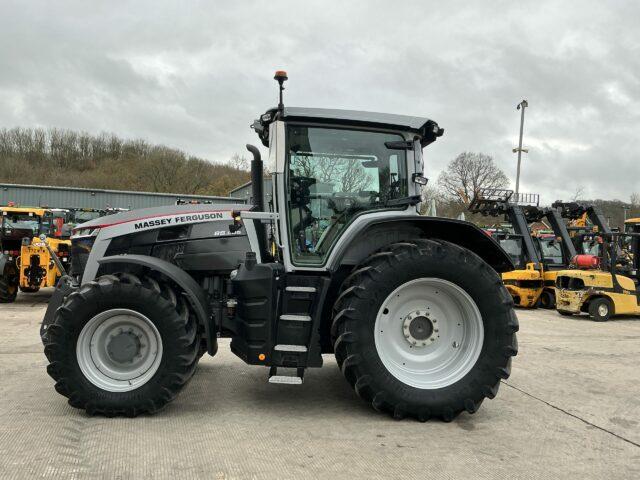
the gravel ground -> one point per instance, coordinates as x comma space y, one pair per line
570, 410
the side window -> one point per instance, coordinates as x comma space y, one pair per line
334, 174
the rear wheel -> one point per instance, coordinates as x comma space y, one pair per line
9, 284
425, 329
600, 309
547, 299
122, 346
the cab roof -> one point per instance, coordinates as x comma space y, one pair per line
35, 210
427, 129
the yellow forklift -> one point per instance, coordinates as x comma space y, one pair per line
30, 257
536, 259
586, 222
604, 286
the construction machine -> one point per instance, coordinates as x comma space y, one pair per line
604, 286
27, 262
537, 258
586, 221
526, 282
411, 306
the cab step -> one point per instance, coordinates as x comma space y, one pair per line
296, 379
301, 289
296, 318
290, 348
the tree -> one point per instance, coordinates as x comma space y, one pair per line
469, 173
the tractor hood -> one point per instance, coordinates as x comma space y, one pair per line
167, 215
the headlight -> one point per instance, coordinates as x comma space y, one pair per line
84, 233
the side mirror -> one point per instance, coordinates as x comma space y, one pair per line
419, 179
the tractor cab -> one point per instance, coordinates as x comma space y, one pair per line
332, 167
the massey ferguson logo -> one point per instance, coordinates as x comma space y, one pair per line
178, 220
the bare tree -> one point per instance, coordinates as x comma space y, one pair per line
238, 162
635, 200
469, 173
578, 193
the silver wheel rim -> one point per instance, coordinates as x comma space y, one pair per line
444, 344
119, 350
603, 309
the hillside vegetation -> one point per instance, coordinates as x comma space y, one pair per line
78, 159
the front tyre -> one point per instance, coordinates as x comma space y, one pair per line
9, 284
425, 329
600, 309
547, 299
122, 346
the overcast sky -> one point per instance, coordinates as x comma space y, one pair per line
193, 75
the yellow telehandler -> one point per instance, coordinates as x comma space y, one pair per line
30, 257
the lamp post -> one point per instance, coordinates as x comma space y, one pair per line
521, 106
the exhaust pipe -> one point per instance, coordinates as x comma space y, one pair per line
257, 191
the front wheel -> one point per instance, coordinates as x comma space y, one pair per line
547, 299
600, 309
9, 284
122, 345
425, 329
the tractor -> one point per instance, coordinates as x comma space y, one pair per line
28, 262
411, 306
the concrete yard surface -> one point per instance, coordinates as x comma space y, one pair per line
571, 409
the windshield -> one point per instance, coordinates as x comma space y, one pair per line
513, 248
81, 217
551, 251
14, 222
335, 174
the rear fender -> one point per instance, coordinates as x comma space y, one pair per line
375, 234
194, 293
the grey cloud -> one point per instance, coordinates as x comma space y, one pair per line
194, 74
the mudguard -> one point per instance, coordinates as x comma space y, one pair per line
194, 293
370, 236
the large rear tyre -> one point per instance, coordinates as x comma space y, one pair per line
122, 346
425, 329
9, 284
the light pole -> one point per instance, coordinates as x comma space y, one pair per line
521, 106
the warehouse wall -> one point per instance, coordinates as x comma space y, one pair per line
62, 197
244, 192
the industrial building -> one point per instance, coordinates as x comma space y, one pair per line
244, 192
70, 197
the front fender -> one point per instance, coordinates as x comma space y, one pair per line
194, 293
369, 236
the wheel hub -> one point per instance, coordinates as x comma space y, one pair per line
124, 347
418, 328
428, 333
119, 349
